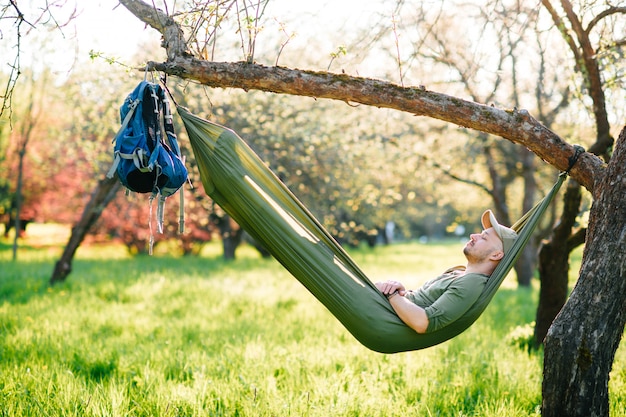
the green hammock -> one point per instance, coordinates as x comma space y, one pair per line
236, 179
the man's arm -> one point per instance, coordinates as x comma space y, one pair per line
410, 313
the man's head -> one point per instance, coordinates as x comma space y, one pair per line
485, 250
506, 234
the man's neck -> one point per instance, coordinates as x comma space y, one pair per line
485, 268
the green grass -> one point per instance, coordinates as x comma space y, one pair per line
165, 336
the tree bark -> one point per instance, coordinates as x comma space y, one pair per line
581, 343
102, 195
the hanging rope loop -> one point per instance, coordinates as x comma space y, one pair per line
578, 150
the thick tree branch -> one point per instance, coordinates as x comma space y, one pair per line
173, 38
517, 126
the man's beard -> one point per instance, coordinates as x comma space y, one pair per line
472, 256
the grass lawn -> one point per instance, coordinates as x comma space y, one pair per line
169, 336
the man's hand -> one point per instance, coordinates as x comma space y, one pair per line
414, 316
389, 287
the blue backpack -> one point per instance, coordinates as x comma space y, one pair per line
146, 159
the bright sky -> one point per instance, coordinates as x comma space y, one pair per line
100, 26
107, 27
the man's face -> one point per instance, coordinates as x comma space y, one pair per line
482, 246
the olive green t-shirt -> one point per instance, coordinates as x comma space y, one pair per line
448, 297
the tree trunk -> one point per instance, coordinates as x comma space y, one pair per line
554, 265
527, 262
102, 195
581, 343
230, 239
230, 232
18, 201
525, 265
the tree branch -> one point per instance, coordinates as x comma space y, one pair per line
517, 126
173, 37
608, 12
455, 177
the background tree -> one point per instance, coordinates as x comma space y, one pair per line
5, 185
589, 64
20, 23
20, 145
519, 31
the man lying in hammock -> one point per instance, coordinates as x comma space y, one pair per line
444, 299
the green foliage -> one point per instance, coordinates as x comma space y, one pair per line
523, 336
169, 336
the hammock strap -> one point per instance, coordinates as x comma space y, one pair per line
525, 227
578, 150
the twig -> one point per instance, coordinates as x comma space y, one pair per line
397, 40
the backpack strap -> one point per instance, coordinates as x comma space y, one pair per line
131, 110
181, 214
168, 124
139, 157
116, 161
154, 106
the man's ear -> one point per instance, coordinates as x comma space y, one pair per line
497, 255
